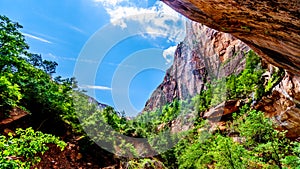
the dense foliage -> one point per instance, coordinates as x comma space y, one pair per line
21, 149
255, 144
25, 77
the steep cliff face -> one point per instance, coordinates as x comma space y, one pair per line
271, 28
204, 54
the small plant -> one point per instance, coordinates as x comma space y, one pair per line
144, 163
274, 80
20, 151
246, 28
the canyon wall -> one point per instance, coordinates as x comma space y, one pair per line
271, 28
204, 54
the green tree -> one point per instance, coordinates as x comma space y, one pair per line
268, 146
23, 84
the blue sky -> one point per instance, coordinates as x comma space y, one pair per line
119, 49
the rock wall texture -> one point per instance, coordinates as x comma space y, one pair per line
204, 53
271, 28
283, 105
207, 53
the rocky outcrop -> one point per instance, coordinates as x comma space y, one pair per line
13, 115
226, 108
271, 28
283, 105
204, 54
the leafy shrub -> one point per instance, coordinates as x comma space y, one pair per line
293, 160
21, 150
275, 79
144, 164
170, 112
9, 94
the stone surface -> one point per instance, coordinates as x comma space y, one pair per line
283, 105
15, 114
204, 54
271, 28
226, 108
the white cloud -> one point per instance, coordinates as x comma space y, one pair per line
168, 54
95, 87
120, 14
36, 38
166, 21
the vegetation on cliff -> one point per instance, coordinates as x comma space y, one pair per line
249, 139
250, 142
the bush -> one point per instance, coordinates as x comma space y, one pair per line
144, 164
21, 150
9, 94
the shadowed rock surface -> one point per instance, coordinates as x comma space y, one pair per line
271, 28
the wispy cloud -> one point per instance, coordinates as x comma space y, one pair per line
76, 29
95, 87
36, 38
54, 57
110, 2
